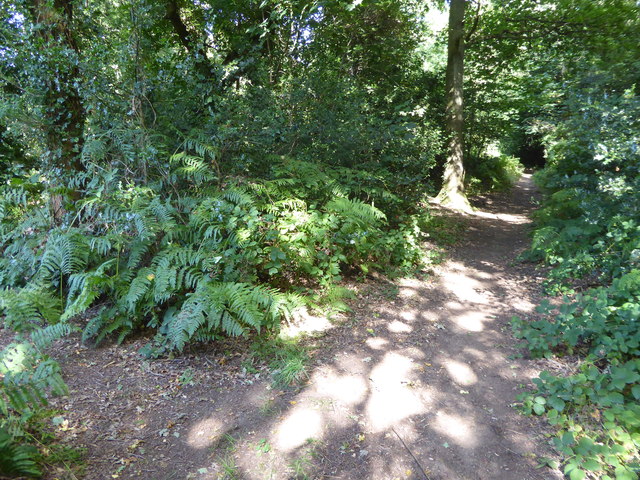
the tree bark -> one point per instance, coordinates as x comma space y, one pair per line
452, 192
197, 51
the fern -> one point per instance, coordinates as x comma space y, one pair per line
137, 251
238, 196
138, 288
194, 168
101, 245
201, 168
29, 308
84, 288
230, 308
355, 210
44, 337
110, 321
17, 460
65, 254
28, 377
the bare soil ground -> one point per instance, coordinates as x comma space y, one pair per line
412, 386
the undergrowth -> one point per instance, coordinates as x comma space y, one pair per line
588, 230
287, 360
492, 173
194, 265
28, 378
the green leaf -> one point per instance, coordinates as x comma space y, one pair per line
622, 473
577, 474
538, 409
592, 465
557, 403
568, 438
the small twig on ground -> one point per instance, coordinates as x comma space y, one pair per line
411, 453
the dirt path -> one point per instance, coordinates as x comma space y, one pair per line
417, 387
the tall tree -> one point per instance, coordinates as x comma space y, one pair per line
65, 113
452, 192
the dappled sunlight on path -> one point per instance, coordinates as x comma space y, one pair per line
430, 369
422, 381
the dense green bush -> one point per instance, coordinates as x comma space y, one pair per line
588, 230
212, 260
492, 173
28, 378
597, 408
589, 224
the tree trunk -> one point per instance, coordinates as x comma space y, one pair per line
198, 52
64, 111
452, 192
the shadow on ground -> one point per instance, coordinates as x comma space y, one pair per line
416, 387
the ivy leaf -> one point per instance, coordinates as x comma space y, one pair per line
623, 473
568, 438
577, 474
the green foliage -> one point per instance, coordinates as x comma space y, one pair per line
213, 261
587, 231
28, 378
17, 460
588, 226
492, 173
197, 191
287, 360
599, 323
596, 409
28, 308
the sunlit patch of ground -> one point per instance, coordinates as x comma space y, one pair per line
420, 381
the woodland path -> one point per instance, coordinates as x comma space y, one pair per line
427, 377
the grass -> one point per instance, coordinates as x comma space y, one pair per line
229, 467
229, 443
227, 461
301, 467
268, 407
289, 367
287, 360
445, 231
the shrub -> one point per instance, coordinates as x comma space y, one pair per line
28, 378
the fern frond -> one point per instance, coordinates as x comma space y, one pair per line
28, 308
17, 460
100, 245
238, 196
84, 288
231, 308
138, 288
65, 253
360, 212
44, 337
28, 377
